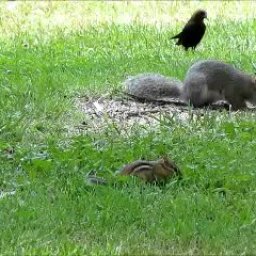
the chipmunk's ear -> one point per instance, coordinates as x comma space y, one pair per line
163, 155
164, 158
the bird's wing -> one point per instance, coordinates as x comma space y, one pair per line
193, 28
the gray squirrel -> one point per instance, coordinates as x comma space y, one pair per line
206, 83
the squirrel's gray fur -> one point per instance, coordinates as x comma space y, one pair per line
153, 86
206, 82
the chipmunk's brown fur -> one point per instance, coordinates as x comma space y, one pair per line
152, 171
159, 171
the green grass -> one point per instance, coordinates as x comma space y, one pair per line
50, 53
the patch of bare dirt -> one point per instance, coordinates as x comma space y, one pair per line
124, 112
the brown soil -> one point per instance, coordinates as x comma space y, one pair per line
98, 113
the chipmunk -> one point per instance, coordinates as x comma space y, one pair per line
206, 83
158, 171
152, 171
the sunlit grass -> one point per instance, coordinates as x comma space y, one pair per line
50, 52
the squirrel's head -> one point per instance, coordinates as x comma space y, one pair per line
254, 80
254, 67
252, 94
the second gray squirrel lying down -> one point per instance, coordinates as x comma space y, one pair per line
206, 82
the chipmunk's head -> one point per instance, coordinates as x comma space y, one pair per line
169, 165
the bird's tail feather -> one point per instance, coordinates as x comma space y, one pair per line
177, 36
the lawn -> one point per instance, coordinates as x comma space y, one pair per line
53, 52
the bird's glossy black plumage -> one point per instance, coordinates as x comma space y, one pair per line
193, 31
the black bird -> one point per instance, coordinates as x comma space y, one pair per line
193, 31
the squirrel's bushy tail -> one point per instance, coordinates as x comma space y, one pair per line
153, 86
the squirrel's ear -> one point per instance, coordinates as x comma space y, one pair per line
254, 80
